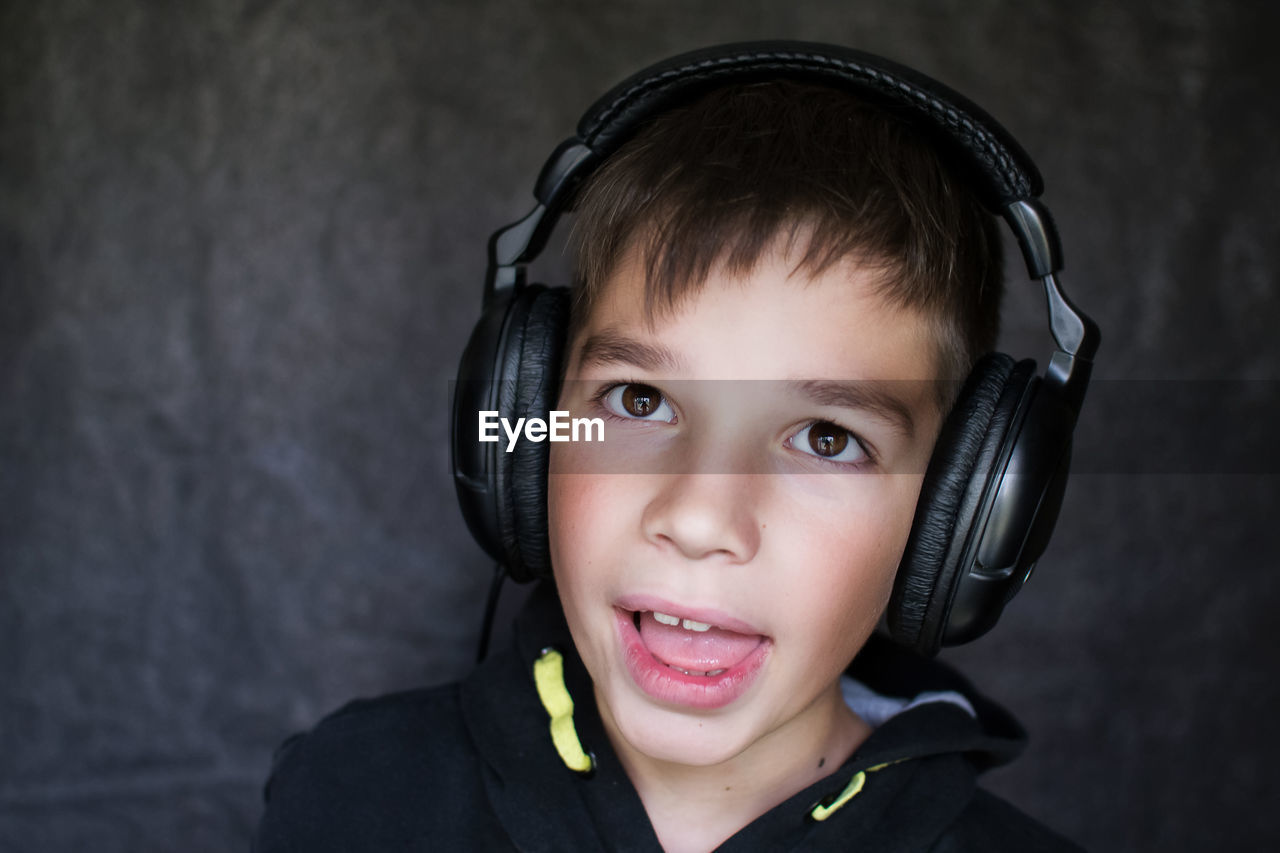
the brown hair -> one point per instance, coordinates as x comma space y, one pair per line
724, 179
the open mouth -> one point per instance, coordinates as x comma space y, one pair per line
697, 659
692, 647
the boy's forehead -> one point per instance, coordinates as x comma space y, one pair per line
834, 324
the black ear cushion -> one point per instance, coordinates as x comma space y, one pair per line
965, 453
531, 379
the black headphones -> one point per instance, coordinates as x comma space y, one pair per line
995, 483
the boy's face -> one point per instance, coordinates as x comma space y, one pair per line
763, 450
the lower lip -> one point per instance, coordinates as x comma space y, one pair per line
673, 687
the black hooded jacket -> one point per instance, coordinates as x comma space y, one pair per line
472, 767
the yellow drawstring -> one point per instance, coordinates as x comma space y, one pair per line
822, 811
548, 675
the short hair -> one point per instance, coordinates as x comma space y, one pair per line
722, 180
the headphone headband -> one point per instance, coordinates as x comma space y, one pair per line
1003, 172
1003, 175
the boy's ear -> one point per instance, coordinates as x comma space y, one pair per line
512, 366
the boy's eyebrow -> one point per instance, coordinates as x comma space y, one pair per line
868, 395
609, 347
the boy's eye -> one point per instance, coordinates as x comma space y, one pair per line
642, 402
829, 441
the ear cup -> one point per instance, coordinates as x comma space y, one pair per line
512, 366
534, 356
960, 471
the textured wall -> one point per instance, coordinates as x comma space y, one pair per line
241, 246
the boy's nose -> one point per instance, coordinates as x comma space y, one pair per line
705, 515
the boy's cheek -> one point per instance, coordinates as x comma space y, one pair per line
575, 500
576, 459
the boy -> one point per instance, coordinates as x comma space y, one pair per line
778, 284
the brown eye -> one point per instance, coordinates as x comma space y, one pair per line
827, 439
636, 401
832, 443
641, 401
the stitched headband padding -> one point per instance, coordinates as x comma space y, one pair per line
530, 377
1001, 170
966, 452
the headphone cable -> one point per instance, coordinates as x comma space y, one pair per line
490, 610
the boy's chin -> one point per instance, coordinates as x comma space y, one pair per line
673, 737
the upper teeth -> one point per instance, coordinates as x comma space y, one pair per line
688, 624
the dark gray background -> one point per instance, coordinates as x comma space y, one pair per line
241, 245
